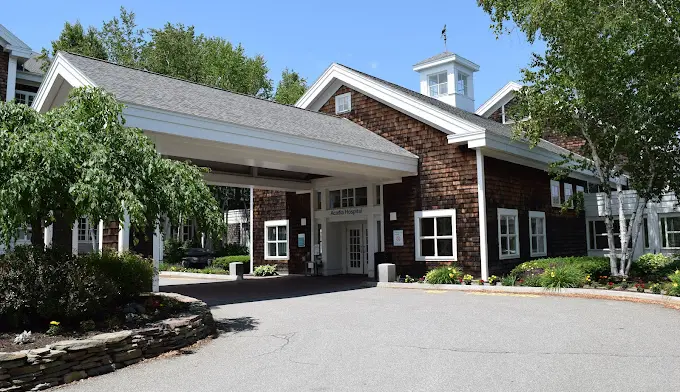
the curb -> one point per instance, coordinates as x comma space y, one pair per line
582, 293
193, 275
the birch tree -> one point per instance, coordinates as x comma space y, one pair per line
610, 75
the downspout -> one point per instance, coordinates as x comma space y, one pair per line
481, 204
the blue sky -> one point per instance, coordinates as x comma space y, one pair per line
382, 38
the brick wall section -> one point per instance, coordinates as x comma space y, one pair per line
4, 64
519, 187
267, 205
447, 179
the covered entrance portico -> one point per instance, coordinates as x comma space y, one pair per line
251, 142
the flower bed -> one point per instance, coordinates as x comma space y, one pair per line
69, 360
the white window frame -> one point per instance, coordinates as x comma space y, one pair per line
663, 230
87, 229
555, 185
532, 235
580, 189
466, 84
451, 213
351, 200
503, 212
27, 94
439, 84
343, 103
570, 188
276, 223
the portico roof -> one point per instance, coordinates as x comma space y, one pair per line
190, 120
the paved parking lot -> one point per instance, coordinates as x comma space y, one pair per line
328, 334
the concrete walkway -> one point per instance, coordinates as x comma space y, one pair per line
330, 334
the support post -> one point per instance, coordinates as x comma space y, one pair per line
481, 205
157, 257
100, 236
74, 238
11, 78
47, 235
124, 234
251, 234
312, 229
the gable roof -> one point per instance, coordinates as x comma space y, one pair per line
147, 89
436, 57
14, 44
501, 97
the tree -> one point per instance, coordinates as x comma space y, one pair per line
610, 76
122, 40
75, 39
81, 160
290, 87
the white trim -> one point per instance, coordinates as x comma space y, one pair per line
445, 60
481, 204
451, 213
500, 98
339, 100
14, 45
567, 195
30, 77
276, 223
555, 185
337, 75
223, 179
438, 74
11, 78
59, 72
662, 223
540, 215
513, 213
27, 94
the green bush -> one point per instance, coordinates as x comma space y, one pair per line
594, 266
530, 280
38, 286
508, 280
654, 266
231, 250
674, 284
174, 250
265, 270
179, 268
564, 276
444, 275
223, 262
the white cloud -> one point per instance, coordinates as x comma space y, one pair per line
374, 64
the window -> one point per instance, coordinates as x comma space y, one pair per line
24, 97
580, 189
24, 235
343, 103
646, 233
508, 234
438, 84
86, 232
597, 235
462, 84
555, 199
276, 240
435, 235
349, 197
568, 193
537, 233
670, 231
187, 231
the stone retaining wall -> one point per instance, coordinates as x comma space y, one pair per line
71, 360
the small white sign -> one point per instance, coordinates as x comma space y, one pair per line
303, 222
393, 216
398, 237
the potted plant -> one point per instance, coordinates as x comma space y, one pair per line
493, 279
467, 279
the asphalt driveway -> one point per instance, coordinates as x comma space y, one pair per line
329, 334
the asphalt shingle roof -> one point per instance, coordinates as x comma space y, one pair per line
133, 86
436, 57
486, 123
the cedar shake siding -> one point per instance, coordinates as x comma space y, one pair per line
513, 186
4, 64
447, 179
110, 238
267, 205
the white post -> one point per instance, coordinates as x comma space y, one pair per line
48, 233
74, 238
251, 235
124, 234
157, 256
100, 236
382, 217
481, 204
11, 78
312, 230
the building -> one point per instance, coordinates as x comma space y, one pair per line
20, 72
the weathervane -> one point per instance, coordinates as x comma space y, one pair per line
444, 36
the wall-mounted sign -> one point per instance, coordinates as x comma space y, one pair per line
303, 222
348, 211
393, 216
301, 240
398, 237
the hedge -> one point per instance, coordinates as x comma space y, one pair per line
223, 262
593, 266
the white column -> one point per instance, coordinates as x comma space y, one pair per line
251, 235
382, 217
312, 227
100, 236
74, 238
11, 78
124, 234
481, 204
48, 233
157, 257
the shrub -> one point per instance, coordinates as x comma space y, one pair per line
593, 266
265, 270
38, 286
174, 250
443, 275
565, 276
493, 279
655, 288
530, 280
467, 279
231, 250
409, 279
508, 280
674, 284
654, 266
223, 262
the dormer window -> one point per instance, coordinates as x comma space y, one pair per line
438, 84
462, 84
343, 103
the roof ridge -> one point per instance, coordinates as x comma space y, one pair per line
196, 83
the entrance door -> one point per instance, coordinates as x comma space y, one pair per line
356, 249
